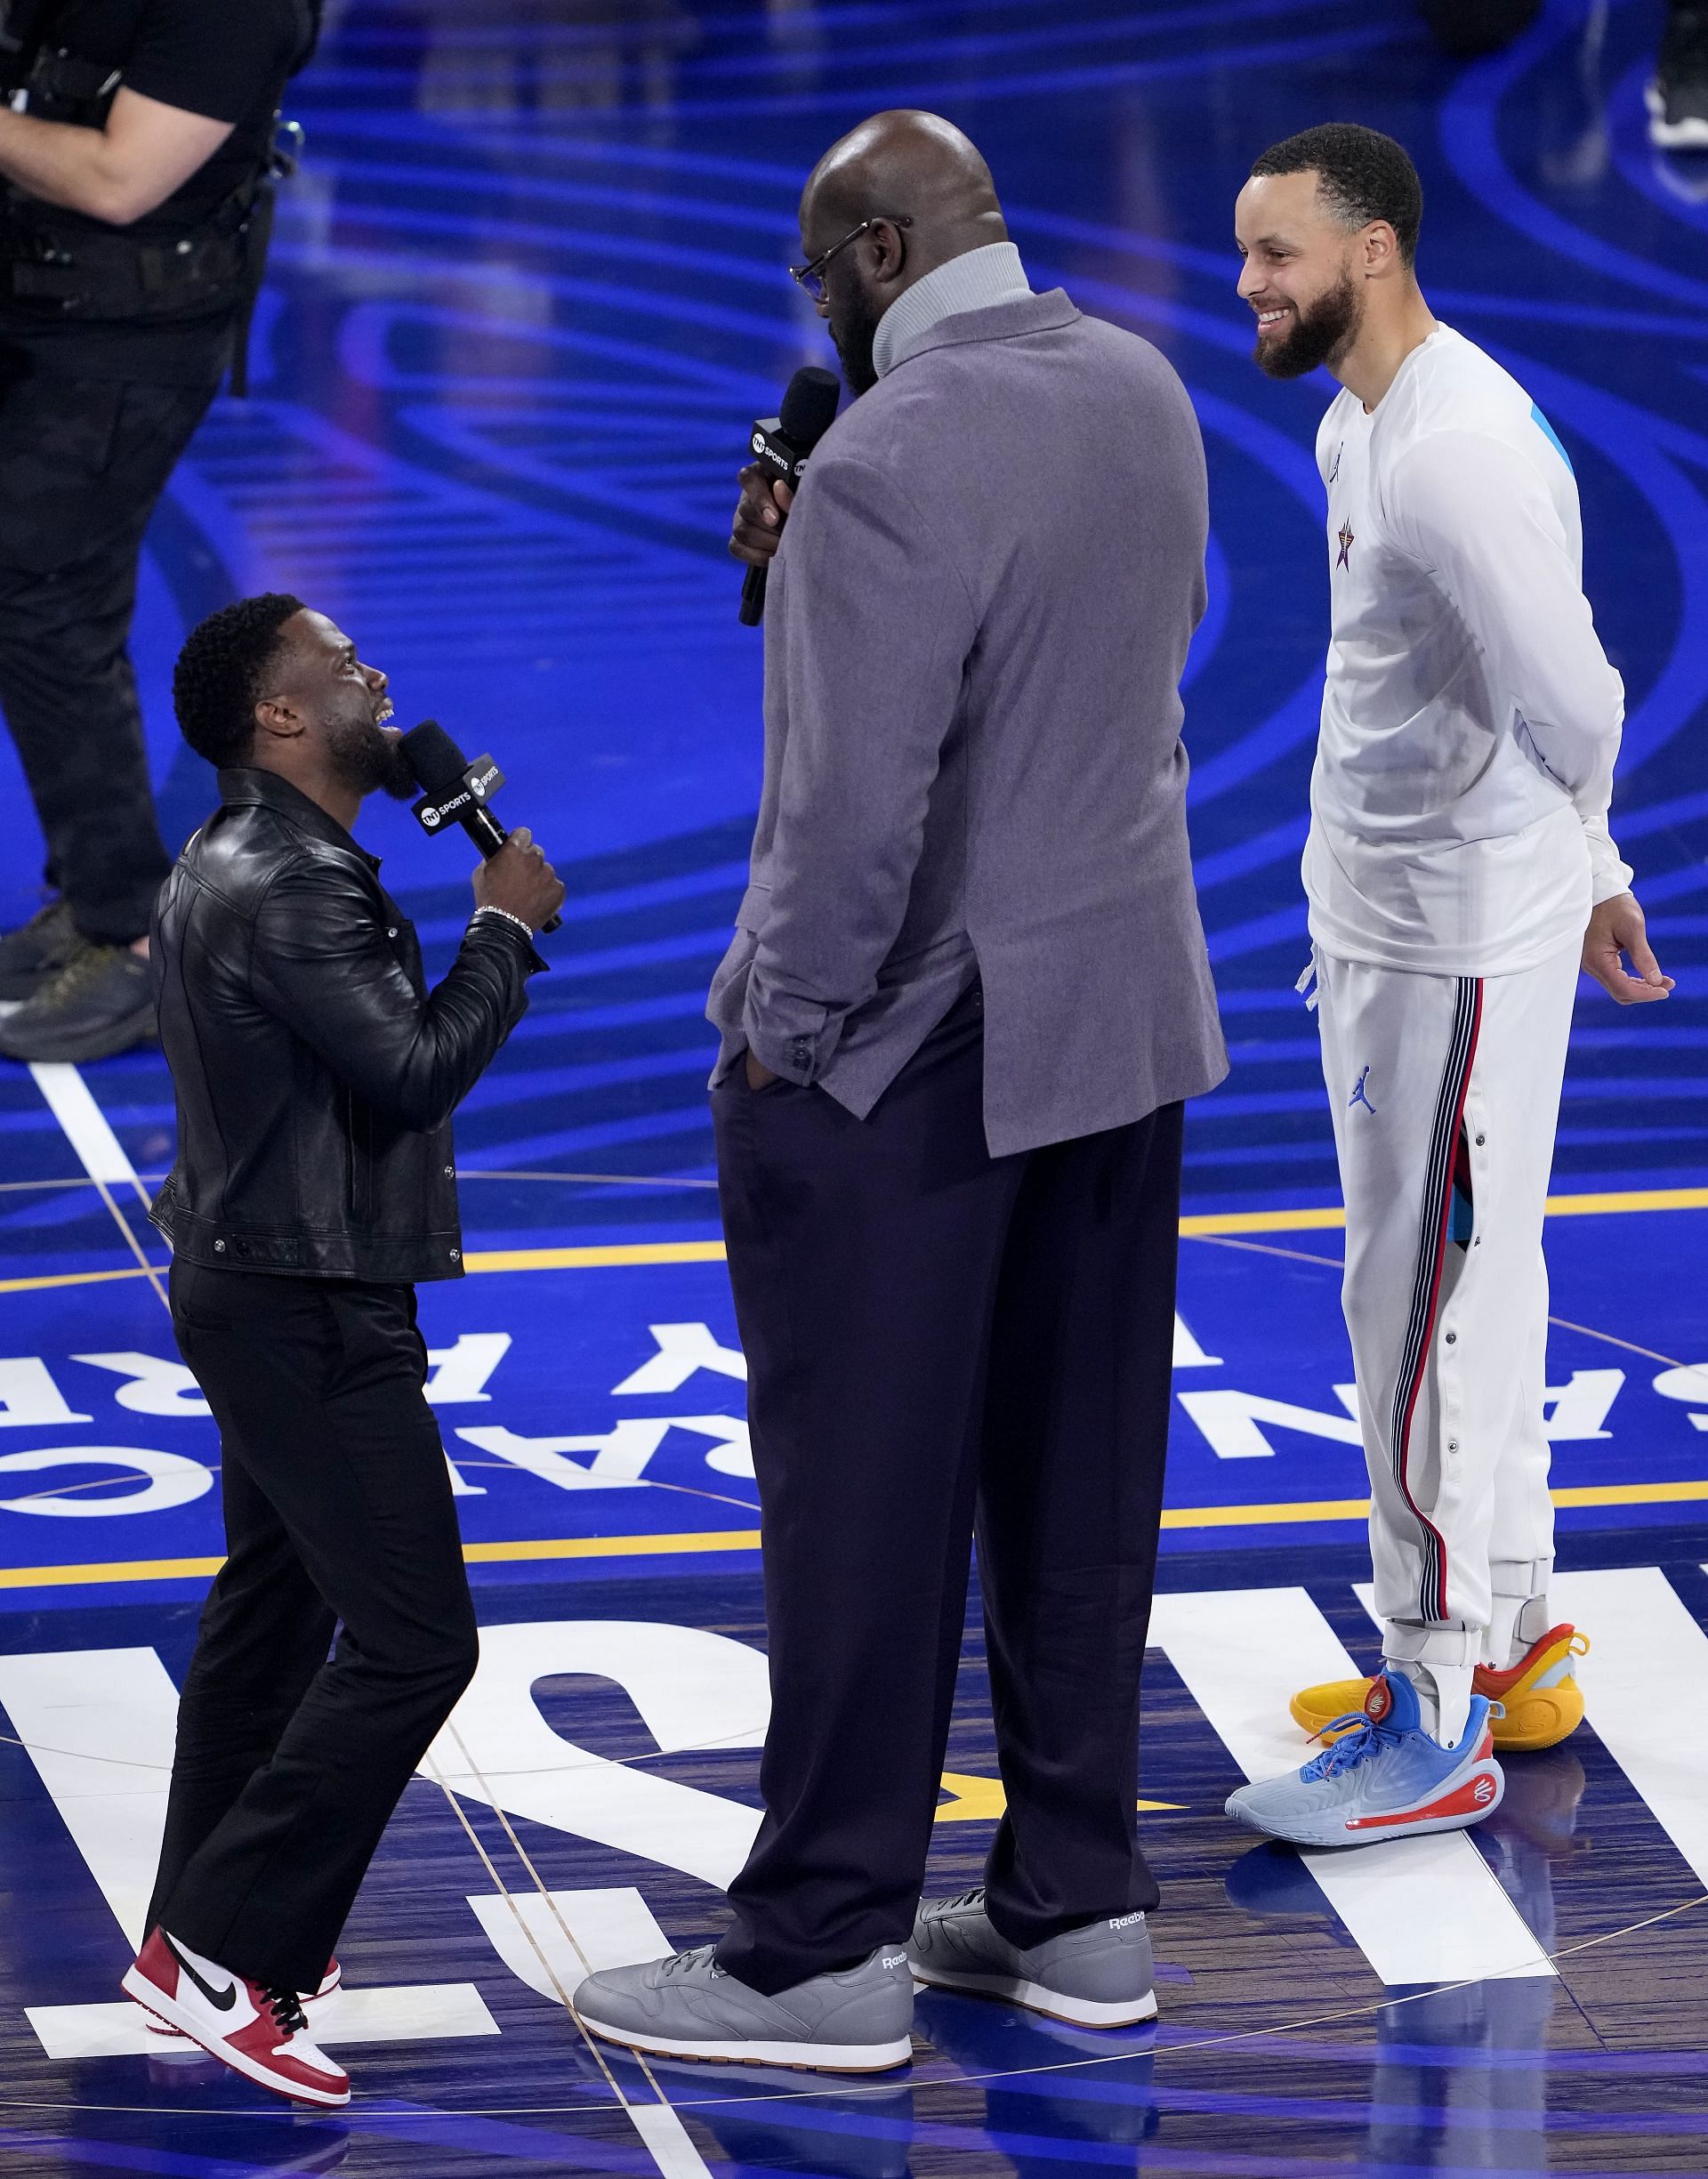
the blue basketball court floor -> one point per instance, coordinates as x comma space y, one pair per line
527, 294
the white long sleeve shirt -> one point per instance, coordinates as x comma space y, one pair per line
1470, 719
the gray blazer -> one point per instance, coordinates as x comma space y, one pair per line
976, 626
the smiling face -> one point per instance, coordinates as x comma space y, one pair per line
319, 681
1300, 274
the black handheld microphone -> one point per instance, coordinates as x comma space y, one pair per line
781, 445
454, 792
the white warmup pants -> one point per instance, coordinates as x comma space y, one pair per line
1424, 1074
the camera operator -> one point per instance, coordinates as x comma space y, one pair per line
136, 168
315, 1077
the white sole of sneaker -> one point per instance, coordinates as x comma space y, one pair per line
795, 2057
155, 2000
1691, 135
1332, 1830
1038, 1998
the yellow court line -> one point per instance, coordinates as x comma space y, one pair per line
1556, 1206
120, 1570
1628, 1199
1358, 1509
1279, 1515
1261, 1222
618, 1254
1265, 1516
1195, 1224
593, 1259
612, 1547
70, 1279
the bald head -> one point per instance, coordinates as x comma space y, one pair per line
914, 164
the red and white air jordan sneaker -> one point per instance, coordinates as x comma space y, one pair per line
259, 2033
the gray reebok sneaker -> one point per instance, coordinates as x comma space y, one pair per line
857, 2022
1098, 1977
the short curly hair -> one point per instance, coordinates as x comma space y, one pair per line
221, 672
1363, 176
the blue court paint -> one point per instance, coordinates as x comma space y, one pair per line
1549, 434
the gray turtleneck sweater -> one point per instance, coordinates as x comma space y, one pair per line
977, 281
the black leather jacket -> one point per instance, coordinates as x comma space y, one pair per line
315, 1074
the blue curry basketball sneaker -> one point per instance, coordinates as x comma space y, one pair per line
1383, 1778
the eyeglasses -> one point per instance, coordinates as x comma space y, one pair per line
812, 277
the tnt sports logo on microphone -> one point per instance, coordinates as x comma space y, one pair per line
431, 818
757, 442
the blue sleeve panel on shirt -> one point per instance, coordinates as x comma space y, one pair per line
1550, 434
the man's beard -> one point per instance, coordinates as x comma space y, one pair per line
368, 761
854, 339
1330, 323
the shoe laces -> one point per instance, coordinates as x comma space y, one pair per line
1359, 1736
684, 1963
82, 966
287, 2008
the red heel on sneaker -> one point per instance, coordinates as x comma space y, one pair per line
258, 2032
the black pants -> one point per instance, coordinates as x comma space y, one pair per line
338, 1510
82, 464
937, 1339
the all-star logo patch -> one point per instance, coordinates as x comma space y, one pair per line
1345, 559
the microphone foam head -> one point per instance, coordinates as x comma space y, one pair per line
810, 406
433, 757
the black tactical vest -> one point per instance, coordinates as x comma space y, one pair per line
62, 266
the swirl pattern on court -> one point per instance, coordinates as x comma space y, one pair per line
528, 291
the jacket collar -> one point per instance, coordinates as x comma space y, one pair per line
242, 786
1002, 321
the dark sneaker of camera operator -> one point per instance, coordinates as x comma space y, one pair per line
139, 147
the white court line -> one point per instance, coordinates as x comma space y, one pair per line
1642, 1684
99, 1726
550, 1940
73, 1105
418, 2012
1420, 1909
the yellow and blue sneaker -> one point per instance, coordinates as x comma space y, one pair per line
1381, 1776
1540, 1701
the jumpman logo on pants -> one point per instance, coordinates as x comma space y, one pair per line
1361, 1096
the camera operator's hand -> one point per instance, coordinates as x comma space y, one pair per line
521, 881
759, 516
